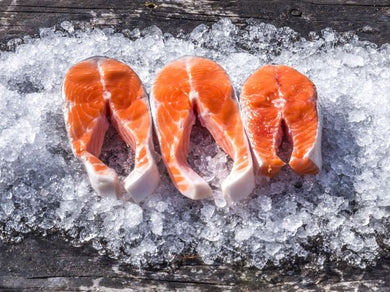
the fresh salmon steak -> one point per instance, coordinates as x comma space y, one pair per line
278, 99
97, 90
191, 86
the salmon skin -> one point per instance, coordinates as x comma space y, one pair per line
94, 90
274, 95
193, 83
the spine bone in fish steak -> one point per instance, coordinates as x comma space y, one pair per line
274, 94
95, 89
198, 83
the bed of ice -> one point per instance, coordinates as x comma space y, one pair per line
341, 214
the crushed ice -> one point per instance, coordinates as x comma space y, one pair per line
341, 214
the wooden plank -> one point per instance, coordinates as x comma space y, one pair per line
52, 264
370, 19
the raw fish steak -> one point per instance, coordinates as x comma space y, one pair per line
191, 86
277, 100
97, 89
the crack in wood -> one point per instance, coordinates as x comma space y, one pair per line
38, 262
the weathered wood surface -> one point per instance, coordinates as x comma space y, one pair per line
53, 264
369, 18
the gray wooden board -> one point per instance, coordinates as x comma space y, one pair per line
370, 19
51, 263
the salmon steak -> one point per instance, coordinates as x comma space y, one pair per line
278, 101
193, 86
96, 91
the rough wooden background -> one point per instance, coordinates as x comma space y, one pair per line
369, 18
51, 263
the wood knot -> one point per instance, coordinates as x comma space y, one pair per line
296, 12
150, 5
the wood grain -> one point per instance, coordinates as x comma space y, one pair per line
52, 264
370, 19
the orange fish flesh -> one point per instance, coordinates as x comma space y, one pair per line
186, 86
94, 90
274, 95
